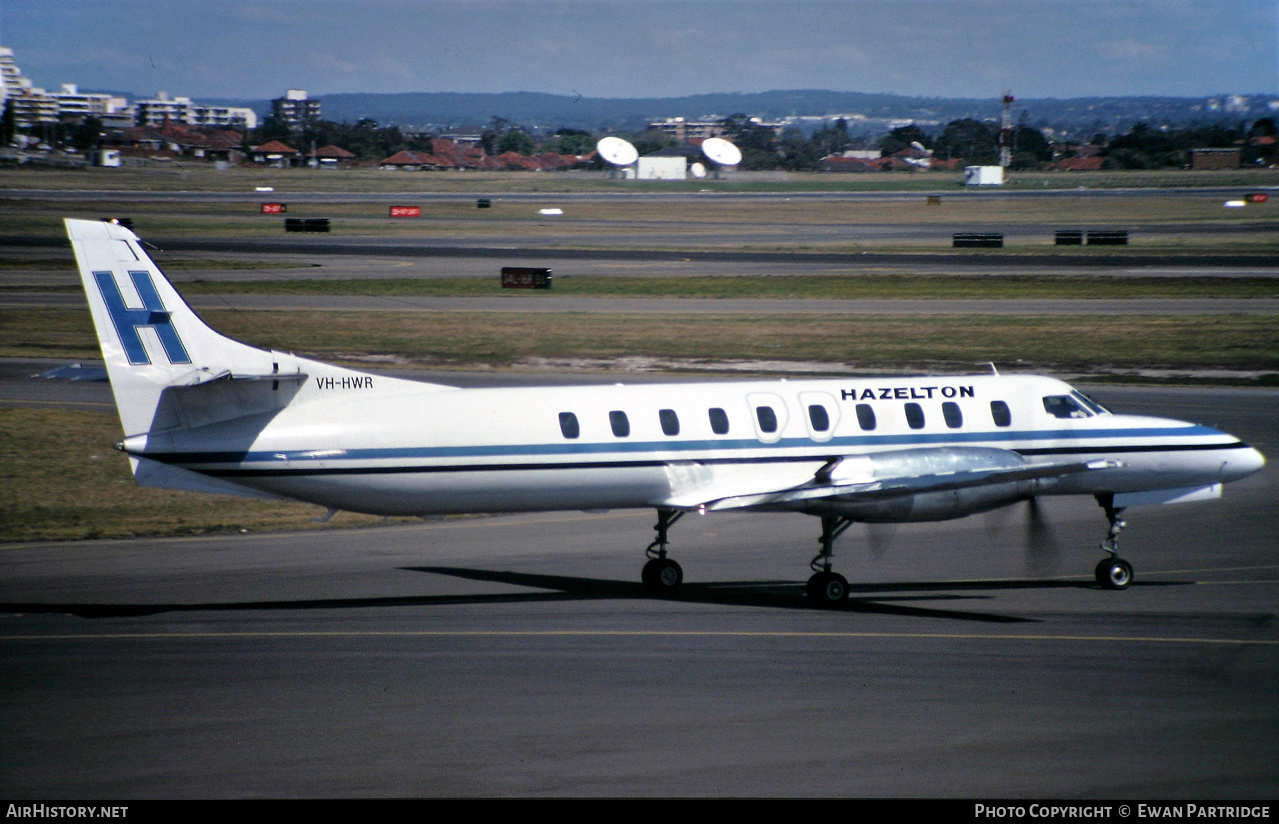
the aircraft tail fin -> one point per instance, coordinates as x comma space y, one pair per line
151, 340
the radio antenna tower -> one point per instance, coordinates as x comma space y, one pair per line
1006, 134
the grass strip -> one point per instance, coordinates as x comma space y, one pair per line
60, 479
865, 342
204, 177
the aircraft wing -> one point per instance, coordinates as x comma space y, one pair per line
869, 477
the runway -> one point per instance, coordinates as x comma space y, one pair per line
519, 656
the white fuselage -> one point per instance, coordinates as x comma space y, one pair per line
390, 446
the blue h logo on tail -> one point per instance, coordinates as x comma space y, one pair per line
153, 314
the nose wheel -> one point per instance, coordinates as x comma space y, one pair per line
1114, 573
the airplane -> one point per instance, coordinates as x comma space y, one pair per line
206, 413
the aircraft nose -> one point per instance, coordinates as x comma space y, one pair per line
1242, 463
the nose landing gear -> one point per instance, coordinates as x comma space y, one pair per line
1113, 572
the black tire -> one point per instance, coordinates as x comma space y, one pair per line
827, 589
662, 575
1114, 573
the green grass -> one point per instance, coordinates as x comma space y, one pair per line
60, 479
198, 177
1078, 343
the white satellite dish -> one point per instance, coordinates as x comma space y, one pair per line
617, 151
720, 151
698, 170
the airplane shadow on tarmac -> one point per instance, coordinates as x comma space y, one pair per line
881, 599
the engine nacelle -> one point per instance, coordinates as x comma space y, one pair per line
901, 471
928, 506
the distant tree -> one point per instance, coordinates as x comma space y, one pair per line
757, 143
830, 140
516, 141
795, 153
272, 128
1031, 141
1265, 127
572, 142
653, 140
974, 141
86, 135
901, 138
8, 124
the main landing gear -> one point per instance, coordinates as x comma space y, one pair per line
828, 588
825, 588
661, 574
1113, 572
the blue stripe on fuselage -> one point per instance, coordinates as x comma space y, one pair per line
1027, 438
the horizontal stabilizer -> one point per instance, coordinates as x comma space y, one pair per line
154, 473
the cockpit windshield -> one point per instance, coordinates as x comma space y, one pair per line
1093, 406
1074, 405
1065, 406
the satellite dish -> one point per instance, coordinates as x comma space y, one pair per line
722, 152
617, 151
698, 170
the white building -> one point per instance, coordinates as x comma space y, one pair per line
30, 104
296, 108
76, 105
662, 168
162, 108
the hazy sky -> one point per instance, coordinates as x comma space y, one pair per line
650, 48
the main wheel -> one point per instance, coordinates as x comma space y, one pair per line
827, 589
1114, 573
662, 575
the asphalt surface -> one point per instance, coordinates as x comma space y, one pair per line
519, 655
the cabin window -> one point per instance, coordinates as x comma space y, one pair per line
914, 416
719, 421
670, 421
568, 425
1064, 406
1000, 413
954, 417
767, 418
819, 417
865, 416
621, 426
